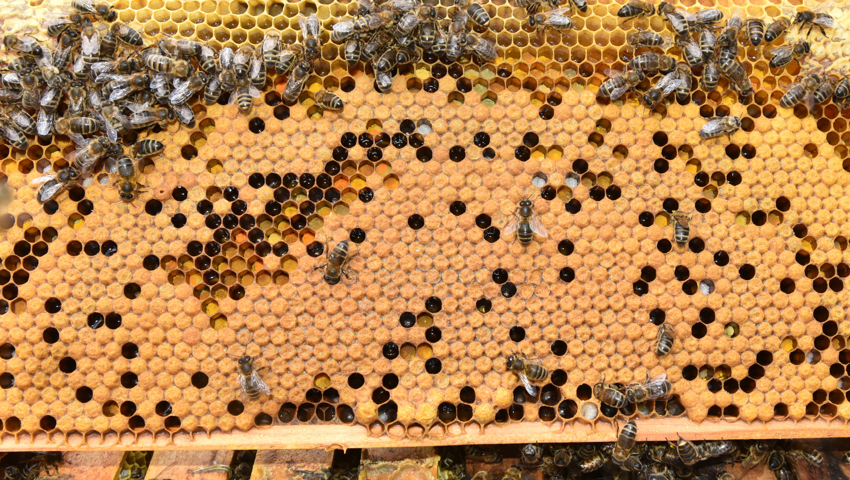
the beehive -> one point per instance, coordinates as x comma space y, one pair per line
124, 319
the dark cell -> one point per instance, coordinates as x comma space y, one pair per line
109, 248
382, 140
339, 154
399, 140
85, 207
492, 234
641, 288
657, 316
573, 206
517, 333
483, 305
522, 153
759, 218
500, 276
433, 334
701, 179
646, 219
151, 262
332, 195
530, 139
613, 192
690, 287
547, 112
482, 221
374, 154
407, 320
153, 207
597, 193
457, 153
205, 207
51, 207
416, 221
548, 192
230, 221
580, 166
357, 235
324, 180
664, 245
239, 207
721, 258
416, 140
481, 139
290, 180
559, 347
670, 205
273, 208
91, 248
348, 140
281, 195
407, 126
222, 235
315, 249
366, 195
332, 168
212, 221
565, 247
52, 305
129, 380
365, 140
281, 112
298, 222
433, 304
307, 180
113, 320
457, 208
488, 153
423, 154
647, 273
696, 245
390, 381
508, 290
356, 380
747, 271
734, 178
390, 350
567, 274
256, 125
682, 273
433, 365
195, 248
256, 180
315, 194
230, 194
661, 165
707, 315
95, 320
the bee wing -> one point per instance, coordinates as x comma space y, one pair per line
52, 22
111, 133
256, 65
233, 95
79, 64
612, 72
678, 22
823, 7
531, 389
809, 100
50, 190
254, 92
511, 226
302, 22
120, 93
258, 381
403, 5
226, 58
270, 42
91, 45
79, 141
657, 380
537, 226
100, 68
44, 123
159, 81
783, 50
558, 18
618, 92
42, 179
485, 48
240, 57
344, 28
87, 5
828, 22
48, 96
181, 93
12, 77
111, 165
673, 85
686, 15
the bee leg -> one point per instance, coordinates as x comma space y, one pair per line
318, 267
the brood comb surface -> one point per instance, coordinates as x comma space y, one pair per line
127, 318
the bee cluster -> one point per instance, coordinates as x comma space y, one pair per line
712, 52
628, 459
399, 32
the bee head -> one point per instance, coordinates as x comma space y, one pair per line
512, 361
801, 17
245, 364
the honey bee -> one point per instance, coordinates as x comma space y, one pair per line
76, 98
755, 31
620, 83
242, 60
44, 123
212, 91
101, 11
842, 92
244, 94
806, 454
648, 39
635, 9
128, 186
687, 451
482, 454
625, 442
271, 48
387, 60
775, 460
184, 89
533, 6
367, 23
296, 81
427, 26
734, 70
681, 229
310, 33
656, 388
23, 44
383, 81
729, 37
328, 100
483, 49
162, 64
651, 62
23, 121
554, 19
147, 147
846, 457
665, 86
185, 115
127, 34
288, 58
686, 84
718, 126
784, 55
707, 43
375, 45
531, 454
586, 451
15, 137
456, 36
10, 96
85, 159
595, 462
121, 66
206, 59
257, 74
527, 372
337, 258
480, 16
250, 382
561, 457
664, 340
46, 460
608, 394
179, 48
80, 125
30, 93
825, 90
776, 29
146, 117
815, 18
227, 75
525, 223
120, 86
56, 26
108, 44
755, 454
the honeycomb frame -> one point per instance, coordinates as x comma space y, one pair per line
120, 324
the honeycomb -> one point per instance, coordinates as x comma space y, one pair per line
124, 318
